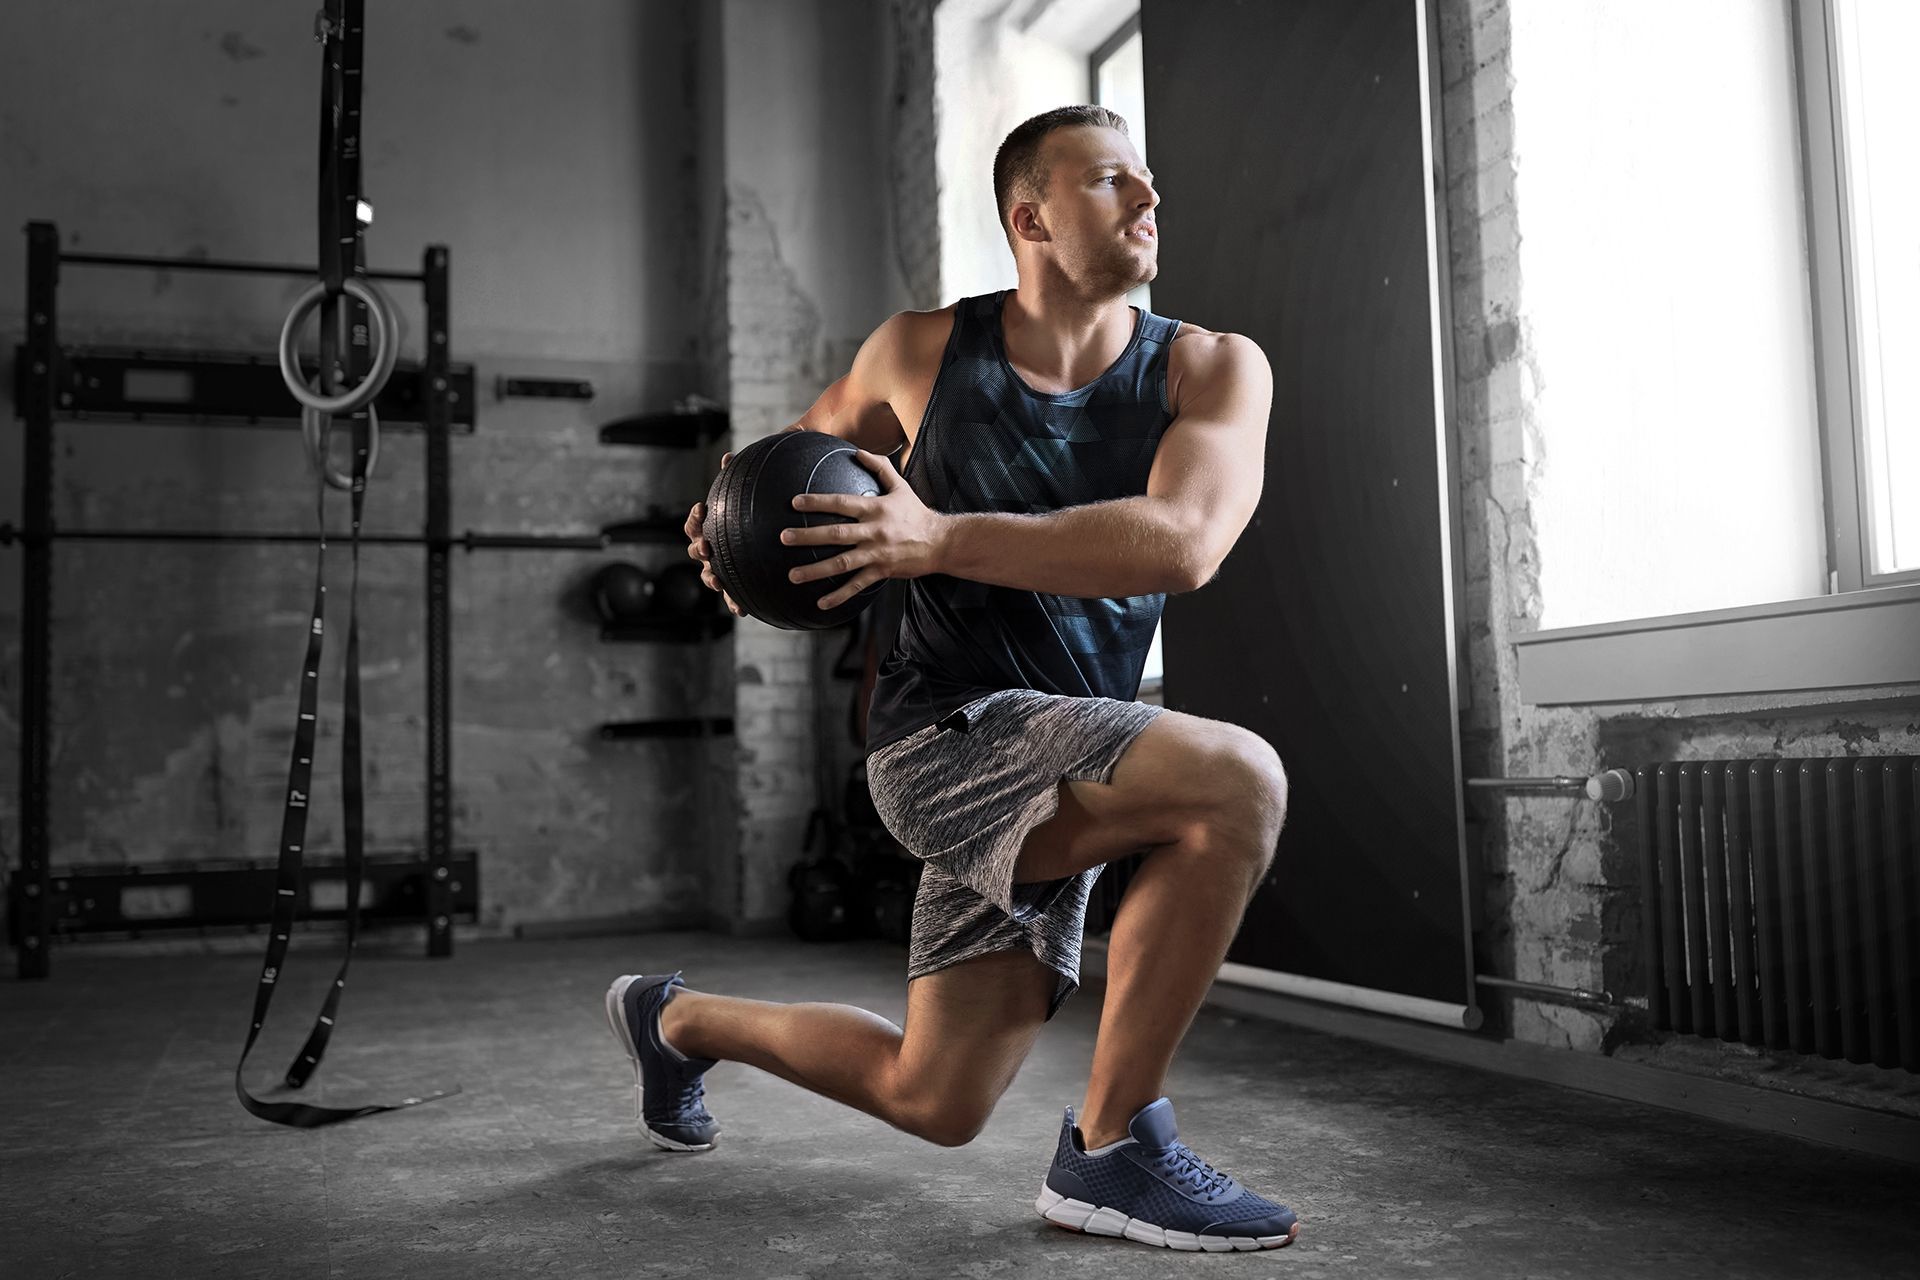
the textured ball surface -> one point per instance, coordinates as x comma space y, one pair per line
751, 503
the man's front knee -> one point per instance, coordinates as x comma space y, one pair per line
1249, 790
948, 1122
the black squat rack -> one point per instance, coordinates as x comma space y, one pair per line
53, 383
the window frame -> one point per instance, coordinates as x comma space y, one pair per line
1829, 218
1105, 50
1151, 687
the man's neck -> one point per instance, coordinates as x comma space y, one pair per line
1060, 340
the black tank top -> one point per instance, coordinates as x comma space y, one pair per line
990, 443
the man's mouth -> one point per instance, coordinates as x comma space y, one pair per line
1143, 231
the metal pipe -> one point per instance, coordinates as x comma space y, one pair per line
1398, 1004
216, 264
1541, 991
470, 541
1613, 785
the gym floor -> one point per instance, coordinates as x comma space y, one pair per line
127, 1153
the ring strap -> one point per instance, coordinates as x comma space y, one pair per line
293, 834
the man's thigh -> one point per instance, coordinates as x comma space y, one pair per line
1176, 772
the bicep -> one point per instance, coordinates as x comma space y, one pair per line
1211, 462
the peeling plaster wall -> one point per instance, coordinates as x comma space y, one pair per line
1561, 899
813, 265
561, 162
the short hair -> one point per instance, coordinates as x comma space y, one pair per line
1018, 173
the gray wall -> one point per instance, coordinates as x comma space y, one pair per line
812, 268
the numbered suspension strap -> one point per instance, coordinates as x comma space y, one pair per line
339, 29
293, 834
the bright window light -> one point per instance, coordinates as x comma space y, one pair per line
1879, 106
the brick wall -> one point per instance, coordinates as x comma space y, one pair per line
810, 267
1546, 890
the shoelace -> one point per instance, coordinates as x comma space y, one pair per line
689, 1094
1194, 1171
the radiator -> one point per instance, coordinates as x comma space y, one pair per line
1782, 903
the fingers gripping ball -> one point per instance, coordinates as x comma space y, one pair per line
751, 503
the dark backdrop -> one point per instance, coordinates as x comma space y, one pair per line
1286, 141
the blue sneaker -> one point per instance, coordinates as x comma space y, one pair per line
1151, 1187
667, 1087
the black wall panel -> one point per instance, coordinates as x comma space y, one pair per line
1286, 140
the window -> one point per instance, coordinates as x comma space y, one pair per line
1859, 100
1116, 80
1116, 73
1806, 118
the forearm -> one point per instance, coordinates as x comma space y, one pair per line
1128, 547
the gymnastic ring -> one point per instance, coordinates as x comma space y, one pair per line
315, 425
386, 348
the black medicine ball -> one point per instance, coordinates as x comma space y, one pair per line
680, 596
751, 502
622, 592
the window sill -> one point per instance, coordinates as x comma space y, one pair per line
1852, 640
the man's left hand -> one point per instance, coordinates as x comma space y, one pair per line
892, 536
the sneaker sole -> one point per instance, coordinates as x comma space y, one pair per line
1077, 1215
617, 1023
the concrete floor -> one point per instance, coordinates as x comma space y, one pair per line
126, 1153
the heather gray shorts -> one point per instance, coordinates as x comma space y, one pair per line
962, 795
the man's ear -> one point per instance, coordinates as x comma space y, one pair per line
1027, 223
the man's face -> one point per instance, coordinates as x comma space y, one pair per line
1099, 210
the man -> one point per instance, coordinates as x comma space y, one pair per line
1069, 461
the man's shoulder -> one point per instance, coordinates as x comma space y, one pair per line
1193, 341
913, 338
1200, 358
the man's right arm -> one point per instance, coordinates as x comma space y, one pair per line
858, 407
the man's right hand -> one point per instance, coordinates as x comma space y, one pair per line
697, 548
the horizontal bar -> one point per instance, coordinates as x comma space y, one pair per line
218, 264
1396, 1003
1418, 1008
507, 388
470, 541
1541, 991
1613, 785
137, 899
672, 430
533, 541
220, 388
655, 529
